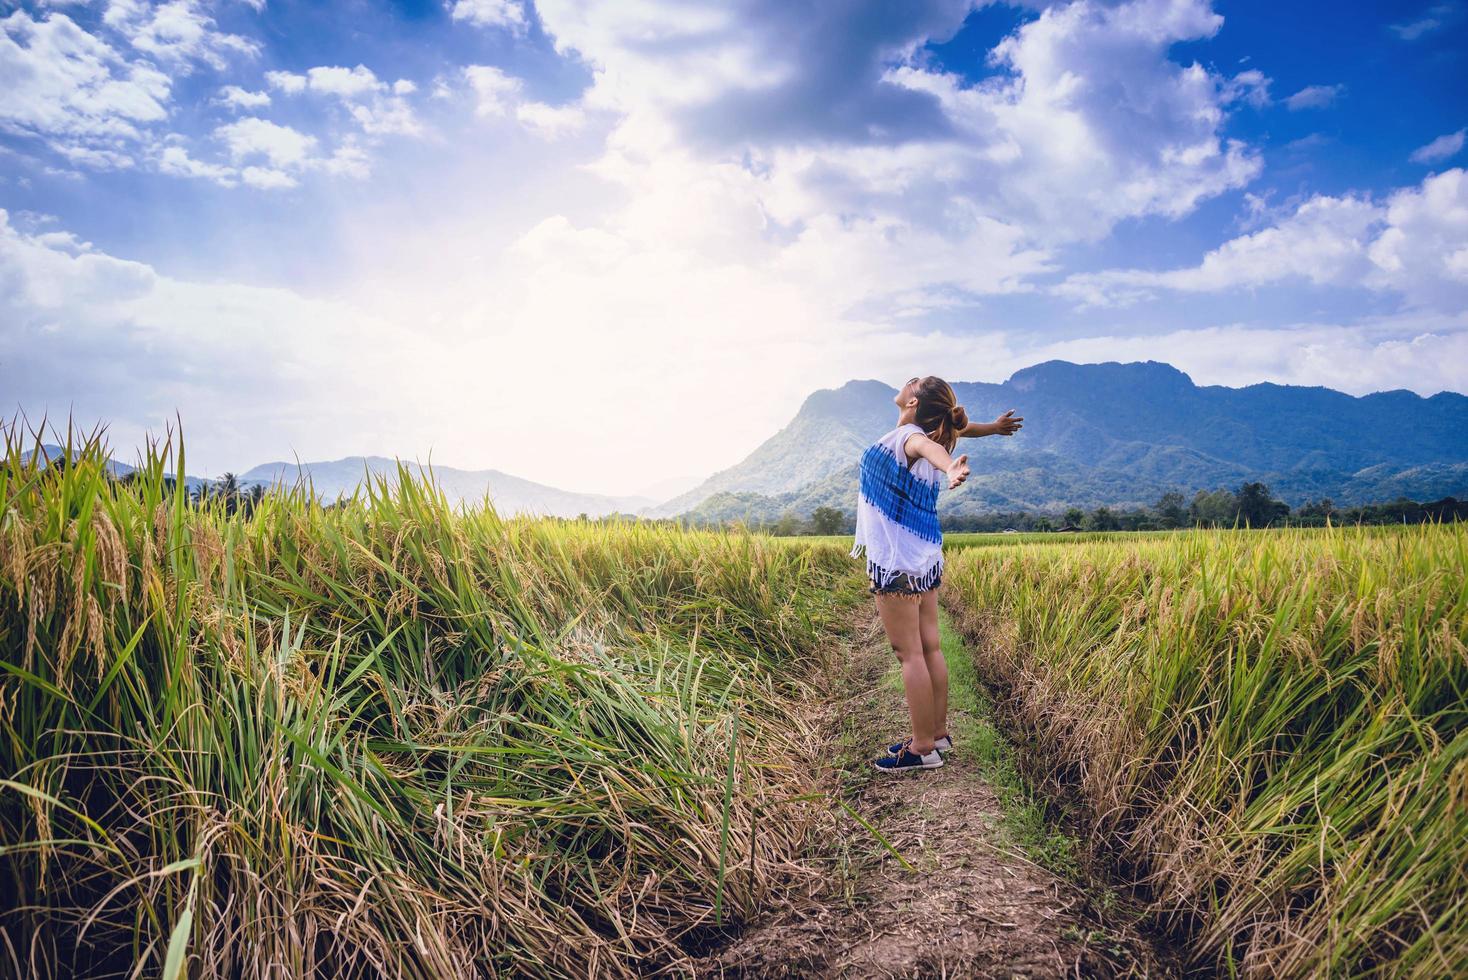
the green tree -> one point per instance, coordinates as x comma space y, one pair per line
1102, 519
1257, 508
1074, 516
228, 488
1171, 510
788, 524
1219, 507
827, 520
1317, 511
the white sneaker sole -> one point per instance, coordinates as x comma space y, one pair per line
892, 770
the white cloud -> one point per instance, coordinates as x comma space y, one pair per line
1412, 244
1321, 242
348, 83
75, 92
672, 53
495, 92
347, 160
1439, 149
1437, 16
1261, 213
385, 116
1091, 124
63, 241
252, 137
90, 100
267, 178
1307, 142
1421, 354
499, 95
289, 153
550, 121
287, 82
107, 338
1250, 86
176, 160
94, 157
1423, 250
178, 31
238, 98
42, 275
1095, 124
378, 108
491, 13
1314, 97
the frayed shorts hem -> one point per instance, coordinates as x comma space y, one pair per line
905, 586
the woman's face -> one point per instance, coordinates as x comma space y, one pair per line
905, 412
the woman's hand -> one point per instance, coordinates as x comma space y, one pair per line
957, 471
1006, 424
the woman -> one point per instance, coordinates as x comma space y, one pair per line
897, 524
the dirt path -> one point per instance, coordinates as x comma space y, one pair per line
972, 905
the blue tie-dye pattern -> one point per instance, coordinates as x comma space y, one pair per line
902, 497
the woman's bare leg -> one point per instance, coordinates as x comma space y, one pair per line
933, 657
900, 618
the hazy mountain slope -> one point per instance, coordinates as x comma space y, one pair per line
52, 452
831, 429
511, 494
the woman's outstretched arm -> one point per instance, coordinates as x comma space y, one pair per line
955, 466
1004, 425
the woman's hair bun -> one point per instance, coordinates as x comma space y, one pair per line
959, 416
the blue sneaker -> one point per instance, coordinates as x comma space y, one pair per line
943, 744
905, 761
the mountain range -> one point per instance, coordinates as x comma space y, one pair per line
1094, 434
335, 478
1118, 435
511, 494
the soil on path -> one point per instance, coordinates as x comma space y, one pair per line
972, 905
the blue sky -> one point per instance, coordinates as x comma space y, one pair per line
613, 246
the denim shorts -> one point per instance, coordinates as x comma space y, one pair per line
904, 584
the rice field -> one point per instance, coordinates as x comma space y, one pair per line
1271, 728
394, 737
388, 737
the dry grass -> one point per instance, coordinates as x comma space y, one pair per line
387, 738
1272, 727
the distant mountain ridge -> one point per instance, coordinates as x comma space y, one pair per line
1115, 434
51, 453
511, 494
1094, 434
336, 478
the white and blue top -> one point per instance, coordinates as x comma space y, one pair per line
897, 512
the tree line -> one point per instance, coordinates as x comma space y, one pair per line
1250, 505
227, 489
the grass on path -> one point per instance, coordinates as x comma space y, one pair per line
1027, 825
1031, 825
